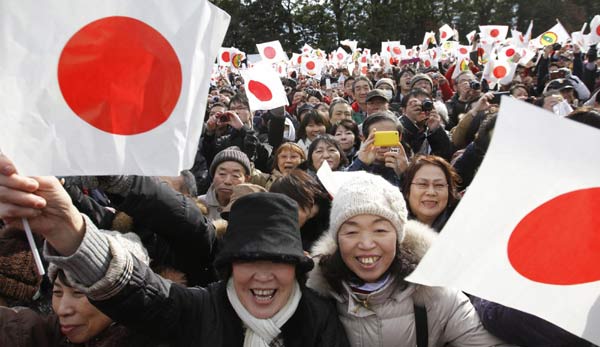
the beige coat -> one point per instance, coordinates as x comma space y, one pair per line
386, 317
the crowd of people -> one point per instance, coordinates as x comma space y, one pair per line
247, 248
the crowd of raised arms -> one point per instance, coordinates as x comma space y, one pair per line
247, 248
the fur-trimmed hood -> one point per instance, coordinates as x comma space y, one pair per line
417, 240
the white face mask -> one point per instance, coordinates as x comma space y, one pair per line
387, 93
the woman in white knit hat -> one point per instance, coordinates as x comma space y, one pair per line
362, 261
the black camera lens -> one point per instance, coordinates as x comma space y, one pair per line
475, 85
427, 105
223, 118
215, 99
556, 46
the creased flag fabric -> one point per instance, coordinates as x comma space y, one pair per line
263, 87
525, 234
105, 87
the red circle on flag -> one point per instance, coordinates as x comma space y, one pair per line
463, 50
558, 242
397, 50
510, 52
120, 75
427, 63
364, 70
499, 71
310, 65
269, 52
598, 30
300, 59
260, 91
340, 56
225, 56
521, 38
494, 32
444, 34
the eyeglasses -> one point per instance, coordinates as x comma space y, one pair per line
438, 187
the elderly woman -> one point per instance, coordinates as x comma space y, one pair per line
74, 320
325, 148
260, 302
430, 188
361, 262
288, 156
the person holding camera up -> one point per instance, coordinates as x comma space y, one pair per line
468, 91
423, 130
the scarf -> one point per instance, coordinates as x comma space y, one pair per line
260, 332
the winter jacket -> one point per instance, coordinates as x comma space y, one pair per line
211, 201
129, 292
386, 172
438, 139
386, 316
22, 327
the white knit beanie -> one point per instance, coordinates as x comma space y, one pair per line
368, 194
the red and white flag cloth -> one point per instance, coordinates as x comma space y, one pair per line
428, 39
340, 55
311, 66
306, 49
224, 56
106, 87
594, 35
525, 234
263, 87
462, 51
500, 71
556, 34
462, 64
296, 59
271, 52
493, 33
517, 39
446, 33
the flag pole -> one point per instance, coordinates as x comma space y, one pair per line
33, 246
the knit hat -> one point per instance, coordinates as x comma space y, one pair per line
230, 154
368, 194
18, 277
420, 77
387, 81
263, 226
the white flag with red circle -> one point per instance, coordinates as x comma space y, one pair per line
106, 87
462, 51
428, 39
224, 56
340, 55
594, 35
263, 87
446, 33
311, 66
493, 33
499, 71
306, 49
271, 52
471, 36
525, 234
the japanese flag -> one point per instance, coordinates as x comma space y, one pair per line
225, 56
105, 87
594, 35
462, 64
263, 87
340, 55
493, 33
525, 234
471, 36
446, 32
428, 39
306, 49
499, 71
311, 66
271, 52
462, 51
556, 34
296, 59
517, 39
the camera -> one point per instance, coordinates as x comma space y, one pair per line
427, 105
215, 98
475, 85
556, 47
223, 117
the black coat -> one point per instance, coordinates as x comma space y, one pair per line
198, 316
438, 139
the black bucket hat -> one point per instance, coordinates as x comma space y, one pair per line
263, 226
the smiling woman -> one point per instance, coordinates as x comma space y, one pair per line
430, 188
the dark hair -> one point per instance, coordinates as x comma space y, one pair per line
401, 73
586, 115
336, 271
362, 78
350, 125
379, 117
417, 162
517, 86
350, 78
330, 140
301, 187
311, 116
414, 93
239, 98
314, 92
335, 102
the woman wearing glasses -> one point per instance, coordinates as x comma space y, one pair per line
429, 187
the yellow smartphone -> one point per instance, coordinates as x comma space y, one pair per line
386, 139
